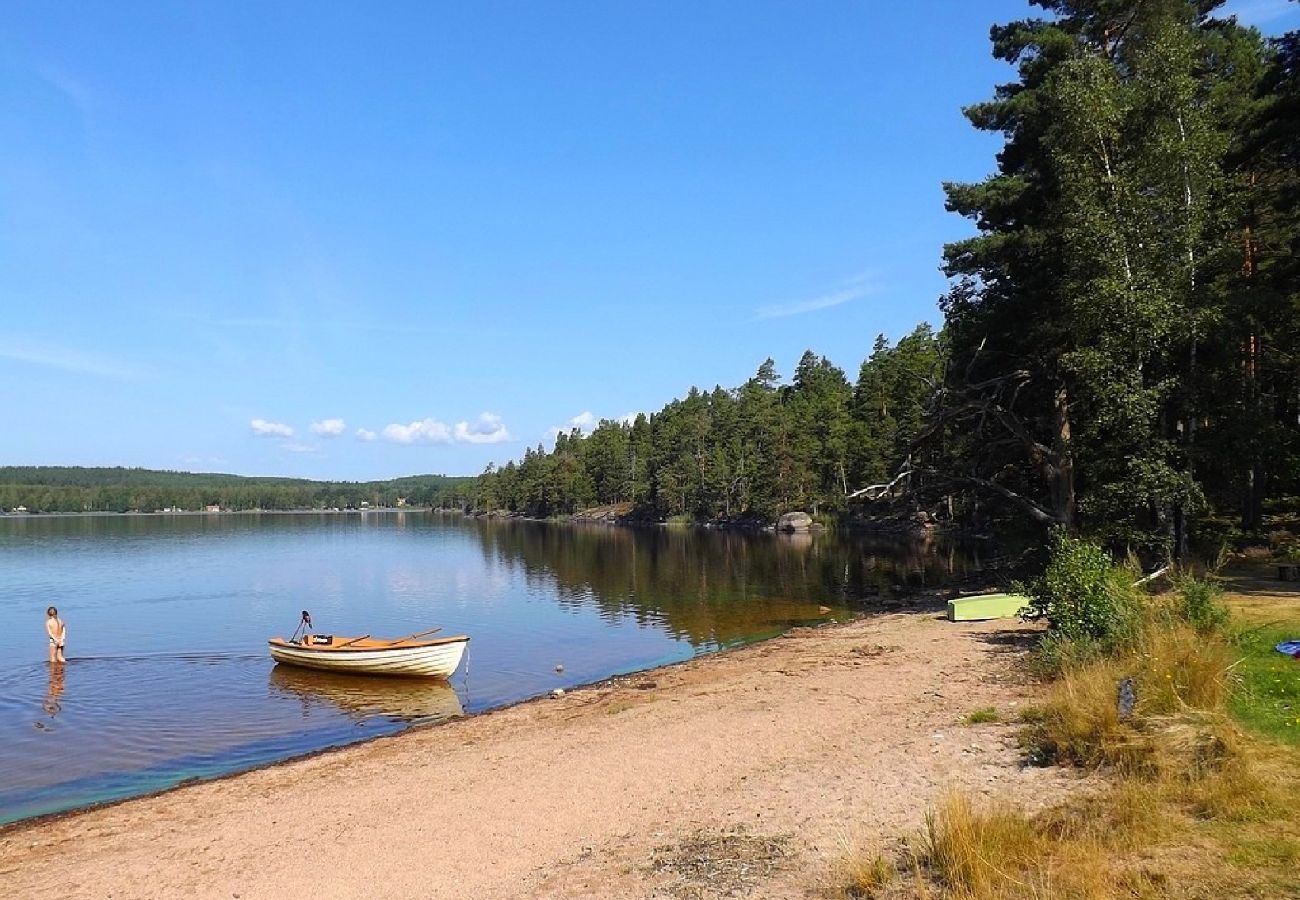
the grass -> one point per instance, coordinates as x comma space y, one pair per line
1197, 800
862, 875
1269, 699
982, 716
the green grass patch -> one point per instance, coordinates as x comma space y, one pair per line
1268, 698
982, 716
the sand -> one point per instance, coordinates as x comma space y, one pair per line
740, 774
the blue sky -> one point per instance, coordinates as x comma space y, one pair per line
345, 242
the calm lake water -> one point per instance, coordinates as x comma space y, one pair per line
168, 677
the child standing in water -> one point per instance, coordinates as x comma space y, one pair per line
58, 633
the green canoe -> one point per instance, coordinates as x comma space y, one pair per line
986, 606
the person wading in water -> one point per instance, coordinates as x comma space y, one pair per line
58, 633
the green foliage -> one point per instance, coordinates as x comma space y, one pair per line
1121, 329
1086, 598
1200, 604
49, 489
746, 454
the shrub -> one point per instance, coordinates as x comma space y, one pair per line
1200, 605
1084, 596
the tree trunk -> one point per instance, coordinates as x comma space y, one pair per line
1064, 500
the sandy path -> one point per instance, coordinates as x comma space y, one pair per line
809, 739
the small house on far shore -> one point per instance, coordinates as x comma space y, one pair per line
212, 507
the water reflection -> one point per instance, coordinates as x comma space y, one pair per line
52, 703
360, 697
172, 679
715, 588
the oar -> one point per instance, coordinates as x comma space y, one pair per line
354, 640
411, 637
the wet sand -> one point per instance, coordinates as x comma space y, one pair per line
800, 745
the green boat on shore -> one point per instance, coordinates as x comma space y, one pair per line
986, 606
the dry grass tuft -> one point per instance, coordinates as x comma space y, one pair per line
1181, 679
978, 853
863, 875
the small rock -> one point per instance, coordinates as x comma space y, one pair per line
557, 693
559, 667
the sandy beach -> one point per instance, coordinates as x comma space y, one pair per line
744, 774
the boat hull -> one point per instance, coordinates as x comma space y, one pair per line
986, 606
436, 660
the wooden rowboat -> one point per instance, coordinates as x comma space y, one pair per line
986, 606
436, 658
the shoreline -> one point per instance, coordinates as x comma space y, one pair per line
853, 726
109, 514
611, 682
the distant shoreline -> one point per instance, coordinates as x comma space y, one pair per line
222, 512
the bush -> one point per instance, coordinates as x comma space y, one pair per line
1084, 596
1200, 605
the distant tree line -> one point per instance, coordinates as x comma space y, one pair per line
749, 452
47, 489
1121, 346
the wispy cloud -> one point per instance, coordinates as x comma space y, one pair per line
70, 86
66, 358
1260, 12
852, 289
328, 427
365, 434
264, 428
488, 428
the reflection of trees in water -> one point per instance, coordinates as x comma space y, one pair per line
714, 587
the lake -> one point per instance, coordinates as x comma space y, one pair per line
168, 677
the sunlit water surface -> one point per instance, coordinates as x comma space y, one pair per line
168, 677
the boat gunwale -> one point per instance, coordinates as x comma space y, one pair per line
415, 645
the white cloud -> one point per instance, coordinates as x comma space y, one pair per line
328, 427
629, 418
854, 288
487, 429
365, 434
583, 421
263, 428
425, 431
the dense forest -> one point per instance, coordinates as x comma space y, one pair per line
747, 453
48, 489
1119, 348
